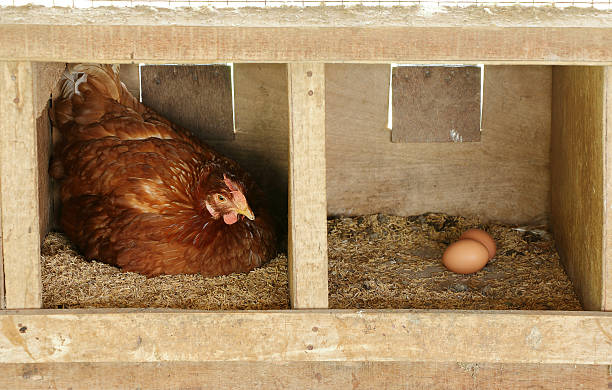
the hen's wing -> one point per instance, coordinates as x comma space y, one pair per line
113, 186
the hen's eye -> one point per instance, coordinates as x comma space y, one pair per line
220, 198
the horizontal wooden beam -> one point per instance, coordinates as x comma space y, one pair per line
269, 35
182, 44
302, 375
39, 336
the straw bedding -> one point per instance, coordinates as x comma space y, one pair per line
375, 261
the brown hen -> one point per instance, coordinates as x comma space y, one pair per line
146, 195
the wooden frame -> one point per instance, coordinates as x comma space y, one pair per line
191, 44
19, 172
275, 35
305, 335
307, 195
300, 375
131, 336
607, 230
578, 136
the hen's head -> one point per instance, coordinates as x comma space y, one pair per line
224, 197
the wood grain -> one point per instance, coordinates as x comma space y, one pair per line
307, 247
436, 104
261, 143
36, 336
2, 296
505, 177
46, 81
196, 97
46, 77
154, 42
607, 254
130, 76
302, 375
577, 177
19, 173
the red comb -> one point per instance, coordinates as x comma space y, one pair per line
230, 184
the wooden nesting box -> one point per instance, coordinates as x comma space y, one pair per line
538, 162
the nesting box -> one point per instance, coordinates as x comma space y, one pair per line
542, 153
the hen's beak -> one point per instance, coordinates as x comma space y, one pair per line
247, 213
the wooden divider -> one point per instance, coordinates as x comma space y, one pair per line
577, 177
25, 90
307, 245
19, 188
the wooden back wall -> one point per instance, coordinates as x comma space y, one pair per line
504, 177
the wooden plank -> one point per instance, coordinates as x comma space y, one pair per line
130, 76
607, 254
37, 336
366, 173
436, 104
20, 193
2, 296
577, 177
46, 76
261, 143
302, 375
258, 16
266, 35
46, 80
197, 97
307, 241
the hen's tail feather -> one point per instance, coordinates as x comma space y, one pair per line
104, 78
89, 91
71, 83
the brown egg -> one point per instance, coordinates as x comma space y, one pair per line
482, 237
465, 256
